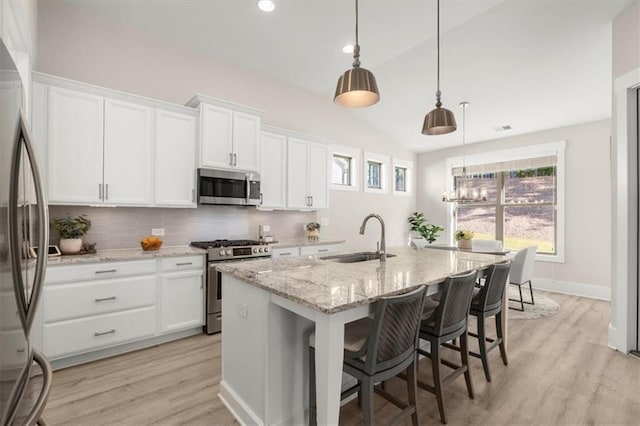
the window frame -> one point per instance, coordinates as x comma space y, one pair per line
522, 153
354, 154
384, 160
405, 164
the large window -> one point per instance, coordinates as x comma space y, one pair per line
519, 202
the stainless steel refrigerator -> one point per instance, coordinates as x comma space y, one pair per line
25, 374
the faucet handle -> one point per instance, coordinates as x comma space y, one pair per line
377, 246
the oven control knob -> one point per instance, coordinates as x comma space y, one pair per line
223, 253
266, 249
255, 249
261, 250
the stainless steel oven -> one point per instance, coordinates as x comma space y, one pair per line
224, 251
228, 187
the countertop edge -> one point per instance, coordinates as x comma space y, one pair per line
111, 255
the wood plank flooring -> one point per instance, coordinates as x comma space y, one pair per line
560, 372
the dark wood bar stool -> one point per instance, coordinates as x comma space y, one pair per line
376, 349
443, 321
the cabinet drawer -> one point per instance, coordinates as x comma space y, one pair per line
92, 271
285, 252
182, 263
81, 335
66, 301
320, 249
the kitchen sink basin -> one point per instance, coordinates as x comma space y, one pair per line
362, 256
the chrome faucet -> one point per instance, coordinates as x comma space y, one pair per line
382, 250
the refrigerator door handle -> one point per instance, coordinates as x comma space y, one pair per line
47, 375
26, 307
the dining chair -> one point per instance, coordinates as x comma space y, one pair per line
443, 320
522, 273
487, 303
376, 349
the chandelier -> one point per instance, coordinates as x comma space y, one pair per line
464, 191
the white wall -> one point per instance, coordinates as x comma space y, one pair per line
587, 267
85, 47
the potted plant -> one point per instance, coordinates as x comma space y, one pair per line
422, 226
71, 229
313, 230
464, 237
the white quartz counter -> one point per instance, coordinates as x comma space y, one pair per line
330, 287
124, 254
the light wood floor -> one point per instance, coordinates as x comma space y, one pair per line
560, 372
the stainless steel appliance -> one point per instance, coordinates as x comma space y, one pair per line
224, 251
25, 374
228, 187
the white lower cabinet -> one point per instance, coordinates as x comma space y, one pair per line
108, 305
306, 250
182, 300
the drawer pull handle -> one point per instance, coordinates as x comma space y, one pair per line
184, 264
322, 250
285, 254
104, 299
102, 333
106, 271
21, 350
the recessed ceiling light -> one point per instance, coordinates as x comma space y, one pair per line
348, 48
266, 5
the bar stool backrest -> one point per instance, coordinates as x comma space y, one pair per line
455, 301
491, 293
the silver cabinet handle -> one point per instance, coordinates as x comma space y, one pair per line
285, 254
103, 333
106, 191
235, 159
231, 158
261, 198
100, 191
311, 200
322, 250
193, 195
104, 299
106, 271
184, 263
20, 350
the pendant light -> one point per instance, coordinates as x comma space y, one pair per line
440, 120
356, 87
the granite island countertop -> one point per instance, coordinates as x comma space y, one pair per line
124, 254
330, 287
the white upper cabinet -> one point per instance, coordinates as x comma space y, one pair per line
175, 159
128, 153
307, 181
229, 134
112, 148
75, 142
273, 171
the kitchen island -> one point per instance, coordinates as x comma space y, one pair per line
272, 306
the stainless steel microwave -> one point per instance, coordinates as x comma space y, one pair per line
228, 187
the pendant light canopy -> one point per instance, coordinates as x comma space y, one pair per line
440, 120
357, 87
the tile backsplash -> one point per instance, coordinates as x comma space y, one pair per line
124, 227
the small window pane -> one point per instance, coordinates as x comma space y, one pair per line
374, 170
342, 170
530, 186
401, 179
529, 225
479, 220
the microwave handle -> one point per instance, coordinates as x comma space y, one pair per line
248, 189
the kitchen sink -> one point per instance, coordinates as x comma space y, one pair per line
362, 256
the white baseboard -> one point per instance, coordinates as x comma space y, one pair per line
243, 414
576, 289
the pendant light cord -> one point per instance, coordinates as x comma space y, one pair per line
356, 48
438, 103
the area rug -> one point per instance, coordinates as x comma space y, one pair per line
545, 306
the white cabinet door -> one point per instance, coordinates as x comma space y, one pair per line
246, 141
216, 138
128, 153
182, 300
75, 146
175, 168
273, 172
297, 173
318, 176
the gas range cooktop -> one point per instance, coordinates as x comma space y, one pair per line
233, 249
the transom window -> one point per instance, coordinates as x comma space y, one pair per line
374, 174
342, 170
400, 179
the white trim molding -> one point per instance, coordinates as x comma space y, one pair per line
522, 153
575, 289
356, 158
408, 165
623, 333
384, 172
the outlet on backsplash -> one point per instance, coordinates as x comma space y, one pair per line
157, 232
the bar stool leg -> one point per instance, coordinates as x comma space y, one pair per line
502, 346
412, 390
464, 353
367, 400
436, 359
482, 343
312, 387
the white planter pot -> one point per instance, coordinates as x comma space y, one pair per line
464, 244
70, 245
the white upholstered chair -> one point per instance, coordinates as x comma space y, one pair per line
522, 273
